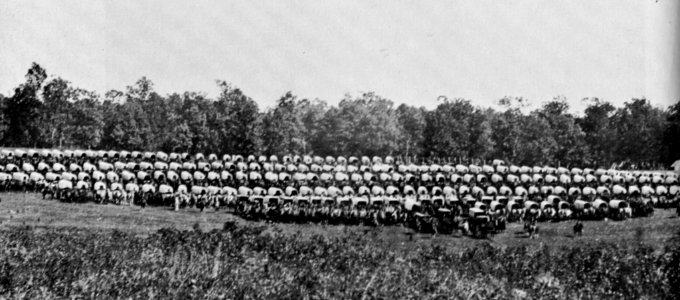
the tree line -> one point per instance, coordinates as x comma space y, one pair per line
53, 113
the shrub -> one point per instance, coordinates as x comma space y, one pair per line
246, 261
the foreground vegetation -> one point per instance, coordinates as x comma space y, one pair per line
246, 262
50, 249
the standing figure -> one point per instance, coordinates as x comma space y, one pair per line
578, 228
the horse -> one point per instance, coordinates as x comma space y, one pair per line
325, 213
336, 215
362, 216
4, 185
372, 219
286, 213
499, 223
49, 189
299, 214
118, 197
84, 195
425, 223
19, 185
270, 212
200, 201
143, 198
101, 196
532, 230
131, 197
64, 194
514, 215
36, 186
465, 227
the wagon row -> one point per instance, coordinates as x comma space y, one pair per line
188, 171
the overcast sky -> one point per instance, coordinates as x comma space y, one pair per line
408, 51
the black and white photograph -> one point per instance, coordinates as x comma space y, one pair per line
300, 149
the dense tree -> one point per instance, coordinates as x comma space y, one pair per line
448, 129
327, 141
535, 147
670, 150
383, 132
241, 130
4, 124
196, 116
54, 113
638, 121
86, 123
54, 117
506, 128
311, 114
481, 143
23, 110
367, 125
412, 122
282, 128
177, 137
600, 134
569, 147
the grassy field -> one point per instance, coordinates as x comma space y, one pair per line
19, 209
54, 250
